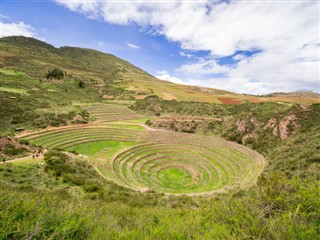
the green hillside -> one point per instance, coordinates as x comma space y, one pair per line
112, 76
106, 71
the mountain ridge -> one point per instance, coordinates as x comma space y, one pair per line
36, 58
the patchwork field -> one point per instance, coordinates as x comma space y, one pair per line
125, 151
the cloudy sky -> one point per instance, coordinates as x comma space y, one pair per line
243, 46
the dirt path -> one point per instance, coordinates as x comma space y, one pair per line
40, 158
27, 133
150, 128
23, 159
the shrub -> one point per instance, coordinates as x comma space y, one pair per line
81, 84
24, 141
55, 73
93, 187
56, 162
10, 149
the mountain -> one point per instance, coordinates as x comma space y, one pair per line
106, 71
36, 58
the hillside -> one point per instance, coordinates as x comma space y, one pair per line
78, 190
83, 156
36, 58
106, 72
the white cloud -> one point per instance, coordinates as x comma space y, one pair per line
130, 45
203, 67
188, 55
101, 44
4, 17
239, 57
287, 33
16, 29
164, 75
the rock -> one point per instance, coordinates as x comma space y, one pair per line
283, 126
271, 123
241, 125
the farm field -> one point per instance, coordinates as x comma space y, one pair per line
134, 156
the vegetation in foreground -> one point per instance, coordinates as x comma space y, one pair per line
65, 198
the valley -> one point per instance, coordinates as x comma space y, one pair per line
129, 156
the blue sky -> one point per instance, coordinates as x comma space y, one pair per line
62, 27
242, 47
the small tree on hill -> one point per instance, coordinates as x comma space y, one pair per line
81, 84
55, 73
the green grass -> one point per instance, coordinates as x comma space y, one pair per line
174, 178
212, 163
28, 161
124, 125
140, 120
13, 90
28, 173
10, 72
91, 149
82, 205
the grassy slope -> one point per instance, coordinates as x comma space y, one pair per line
36, 58
26, 102
73, 202
70, 200
284, 205
115, 76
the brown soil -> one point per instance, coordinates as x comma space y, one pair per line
107, 97
230, 100
139, 97
169, 96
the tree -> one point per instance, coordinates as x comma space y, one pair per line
81, 84
55, 73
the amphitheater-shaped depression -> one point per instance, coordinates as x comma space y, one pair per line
159, 160
179, 163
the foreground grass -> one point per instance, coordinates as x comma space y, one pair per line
82, 205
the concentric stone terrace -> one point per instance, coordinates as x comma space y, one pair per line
148, 159
206, 166
111, 112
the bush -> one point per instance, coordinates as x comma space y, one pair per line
56, 162
55, 73
10, 149
81, 84
24, 141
